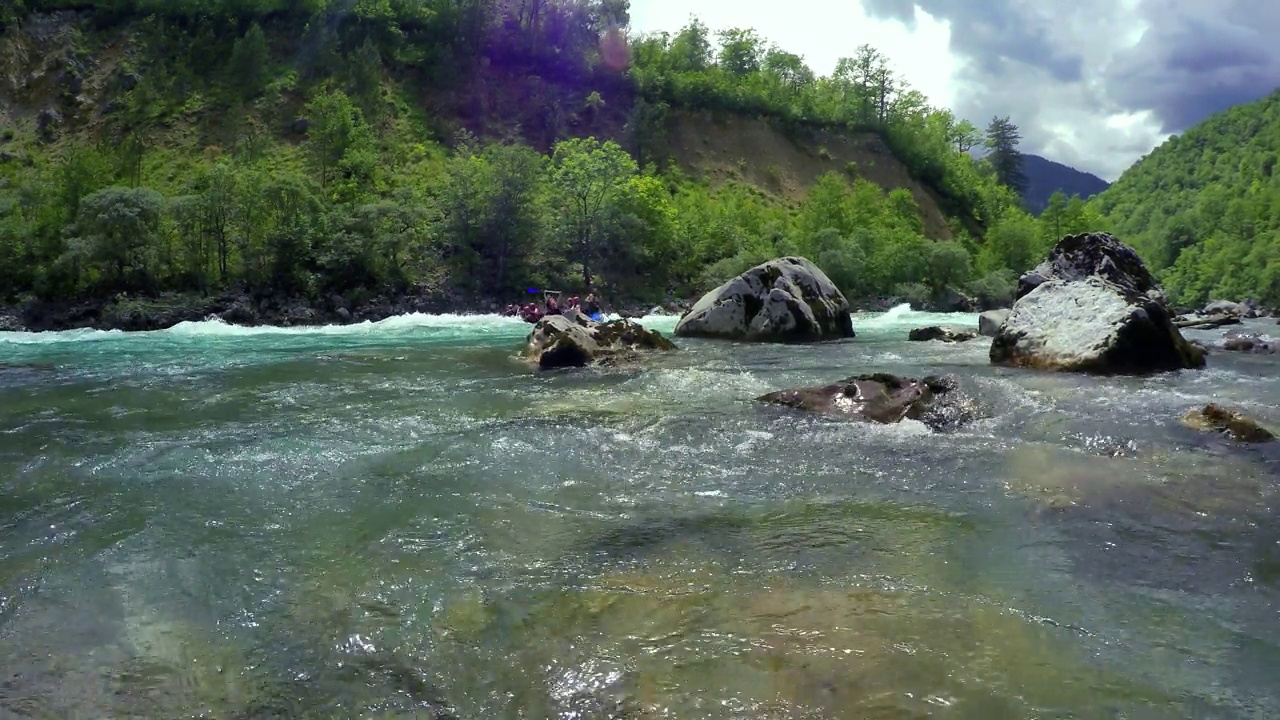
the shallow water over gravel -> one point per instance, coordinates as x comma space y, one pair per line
403, 520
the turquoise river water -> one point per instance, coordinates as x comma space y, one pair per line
403, 520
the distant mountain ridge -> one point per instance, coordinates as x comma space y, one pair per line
1045, 177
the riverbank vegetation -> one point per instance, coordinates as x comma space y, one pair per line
311, 147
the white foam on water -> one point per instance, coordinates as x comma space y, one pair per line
396, 323
216, 328
462, 325
904, 317
64, 336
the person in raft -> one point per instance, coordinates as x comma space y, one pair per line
591, 306
553, 305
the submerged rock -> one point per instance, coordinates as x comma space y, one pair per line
783, 300
1092, 306
1249, 344
1215, 418
884, 398
990, 321
573, 340
945, 334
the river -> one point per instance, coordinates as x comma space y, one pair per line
403, 520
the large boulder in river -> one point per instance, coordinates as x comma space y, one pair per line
884, 398
1225, 307
574, 340
1078, 257
990, 321
783, 300
1092, 306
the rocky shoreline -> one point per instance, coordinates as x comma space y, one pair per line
166, 310
163, 311
133, 314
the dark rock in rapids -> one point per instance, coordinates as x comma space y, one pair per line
573, 340
1092, 306
990, 321
1217, 419
1249, 344
884, 398
783, 300
945, 334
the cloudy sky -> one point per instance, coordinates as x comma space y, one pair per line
1094, 84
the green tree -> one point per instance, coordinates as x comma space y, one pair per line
515, 221
296, 220
1013, 243
1005, 158
338, 133
587, 175
215, 205
964, 135
83, 171
1055, 214
691, 49
115, 227
247, 68
842, 258
948, 265
789, 69
130, 154
741, 51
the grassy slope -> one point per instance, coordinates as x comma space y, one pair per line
184, 129
752, 150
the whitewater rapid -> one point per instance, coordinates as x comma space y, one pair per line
444, 327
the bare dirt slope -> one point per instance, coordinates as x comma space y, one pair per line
754, 151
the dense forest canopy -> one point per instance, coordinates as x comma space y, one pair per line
312, 147
1204, 208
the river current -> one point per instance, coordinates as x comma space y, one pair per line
401, 519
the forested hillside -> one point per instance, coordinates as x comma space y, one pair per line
1204, 207
469, 149
1046, 177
